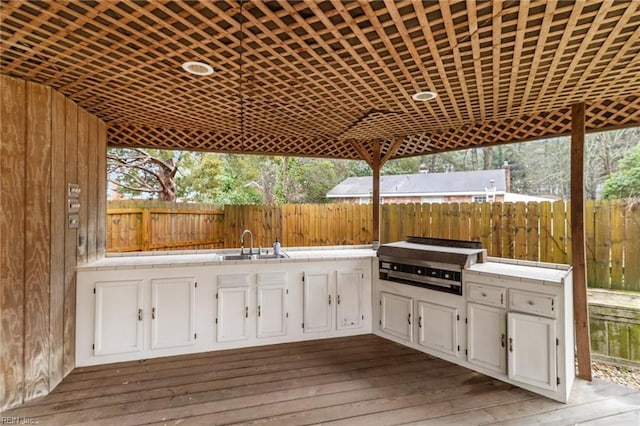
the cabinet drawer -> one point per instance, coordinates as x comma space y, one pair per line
487, 294
533, 303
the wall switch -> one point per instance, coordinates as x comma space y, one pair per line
73, 190
74, 221
73, 205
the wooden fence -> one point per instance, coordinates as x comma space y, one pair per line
532, 231
154, 225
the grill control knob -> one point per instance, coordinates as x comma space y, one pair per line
395, 268
419, 271
447, 276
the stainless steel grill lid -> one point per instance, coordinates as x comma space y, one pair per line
455, 252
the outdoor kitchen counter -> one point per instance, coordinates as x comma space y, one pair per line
164, 259
521, 270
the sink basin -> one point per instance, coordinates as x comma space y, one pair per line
252, 256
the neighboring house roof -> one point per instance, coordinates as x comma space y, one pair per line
423, 184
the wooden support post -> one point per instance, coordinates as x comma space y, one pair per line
376, 165
580, 309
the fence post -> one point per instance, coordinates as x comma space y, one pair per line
146, 229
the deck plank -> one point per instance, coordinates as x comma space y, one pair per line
346, 381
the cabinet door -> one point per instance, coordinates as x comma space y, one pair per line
486, 337
532, 350
173, 316
317, 302
272, 305
349, 300
396, 315
233, 312
119, 315
438, 327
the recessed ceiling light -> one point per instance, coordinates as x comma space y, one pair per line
424, 96
197, 68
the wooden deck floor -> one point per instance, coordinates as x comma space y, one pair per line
364, 380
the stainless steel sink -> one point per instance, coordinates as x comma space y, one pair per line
254, 256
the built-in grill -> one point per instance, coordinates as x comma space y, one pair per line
433, 263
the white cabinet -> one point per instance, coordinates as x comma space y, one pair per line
173, 315
233, 308
272, 305
521, 328
142, 312
119, 317
317, 302
349, 300
516, 323
532, 350
486, 337
438, 327
332, 300
396, 315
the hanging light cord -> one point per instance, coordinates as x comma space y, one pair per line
242, 142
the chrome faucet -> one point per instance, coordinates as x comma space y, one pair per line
245, 232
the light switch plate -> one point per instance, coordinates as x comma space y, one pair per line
73, 205
74, 221
73, 190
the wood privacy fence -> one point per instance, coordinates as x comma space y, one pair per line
154, 225
532, 231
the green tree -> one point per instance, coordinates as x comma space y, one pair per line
147, 173
624, 183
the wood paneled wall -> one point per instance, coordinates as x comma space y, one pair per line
46, 142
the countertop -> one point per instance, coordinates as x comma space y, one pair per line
522, 270
141, 260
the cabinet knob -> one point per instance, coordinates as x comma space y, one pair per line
329, 299
484, 294
531, 303
502, 338
338, 300
259, 311
510, 344
419, 322
139, 314
246, 312
153, 313
409, 319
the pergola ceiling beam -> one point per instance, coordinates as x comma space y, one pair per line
393, 148
364, 154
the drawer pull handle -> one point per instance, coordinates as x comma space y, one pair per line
246, 312
484, 294
510, 344
259, 311
531, 303
153, 313
502, 338
409, 319
139, 314
419, 322
329, 299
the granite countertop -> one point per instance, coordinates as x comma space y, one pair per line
166, 259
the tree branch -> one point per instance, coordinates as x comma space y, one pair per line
135, 189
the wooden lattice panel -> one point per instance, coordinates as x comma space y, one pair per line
602, 115
317, 72
195, 140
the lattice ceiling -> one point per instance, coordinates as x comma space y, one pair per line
317, 75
